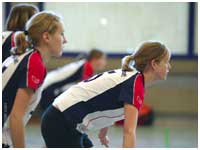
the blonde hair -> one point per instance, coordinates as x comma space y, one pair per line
19, 15
38, 24
146, 52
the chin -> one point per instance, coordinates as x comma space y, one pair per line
58, 54
162, 78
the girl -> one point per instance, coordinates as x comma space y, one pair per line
59, 80
23, 74
16, 21
100, 101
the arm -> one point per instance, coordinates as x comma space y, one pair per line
130, 124
20, 106
103, 136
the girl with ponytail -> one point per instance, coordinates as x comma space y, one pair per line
25, 71
98, 102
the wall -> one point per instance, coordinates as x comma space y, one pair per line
115, 27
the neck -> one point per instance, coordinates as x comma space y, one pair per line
44, 52
149, 78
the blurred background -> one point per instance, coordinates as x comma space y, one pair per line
117, 28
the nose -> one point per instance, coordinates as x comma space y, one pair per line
64, 40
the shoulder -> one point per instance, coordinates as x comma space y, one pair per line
138, 79
6, 34
35, 61
87, 65
138, 90
36, 70
87, 70
32, 62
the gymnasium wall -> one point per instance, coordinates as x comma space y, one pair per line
115, 27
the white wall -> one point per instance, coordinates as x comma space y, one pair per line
127, 25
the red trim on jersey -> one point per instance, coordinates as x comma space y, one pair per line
13, 40
89, 121
36, 71
87, 71
138, 91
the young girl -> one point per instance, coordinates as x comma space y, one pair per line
100, 101
16, 21
59, 80
23, 73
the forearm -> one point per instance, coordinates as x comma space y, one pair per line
129, 140
103, 131
17, 131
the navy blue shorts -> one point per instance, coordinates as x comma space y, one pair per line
58, 134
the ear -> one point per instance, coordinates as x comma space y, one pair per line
154, 64
46, 37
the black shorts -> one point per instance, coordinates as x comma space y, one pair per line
58, 134
5, 146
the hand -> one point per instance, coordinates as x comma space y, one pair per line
103, 137
104, 141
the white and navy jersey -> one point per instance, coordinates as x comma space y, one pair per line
7, 43
24, 71
98, 102
59, 80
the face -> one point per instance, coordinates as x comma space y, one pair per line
162, 68
57, 41
100, 63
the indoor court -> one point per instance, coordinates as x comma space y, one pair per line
117, 29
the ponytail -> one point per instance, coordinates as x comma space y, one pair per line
127, 63
21, 44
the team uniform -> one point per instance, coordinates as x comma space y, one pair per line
24, 71
91, 104
7, 43
59, 80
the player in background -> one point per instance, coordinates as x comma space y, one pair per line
16, 21
59, 80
